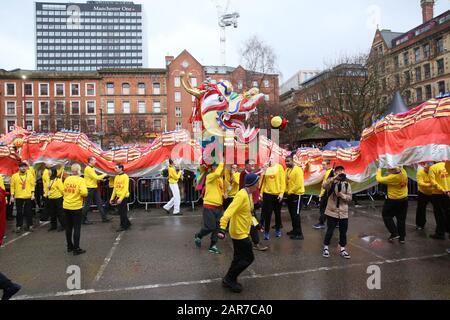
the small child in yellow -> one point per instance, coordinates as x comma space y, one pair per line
120, 196
239, 216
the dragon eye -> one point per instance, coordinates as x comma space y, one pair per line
221, 98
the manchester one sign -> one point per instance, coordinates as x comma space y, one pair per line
122, 9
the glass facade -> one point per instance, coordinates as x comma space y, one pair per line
88, 36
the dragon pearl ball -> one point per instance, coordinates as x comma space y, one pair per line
276, 122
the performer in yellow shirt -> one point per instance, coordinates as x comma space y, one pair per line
396, 204
295, 188
92, 179
323, 197
22, 193
231, 183
240, 219
424, 195
440, 181
75, 191
212, 207
273, 186
54, 193
120, 196
175, 202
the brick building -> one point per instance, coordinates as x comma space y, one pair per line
116, 106
418, 60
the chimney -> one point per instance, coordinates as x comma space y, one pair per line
427, 9
169, 60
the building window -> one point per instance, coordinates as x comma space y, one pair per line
440, 45
440, 66
178, 112
406, 58
419, 95
60, 107
156, 107
29, 108
29, 125
10, 125
43, 90
126, 107
43, 127
59, 89
126, 88
417, 54
156, 88
428, 92
266, 83
44, 108
426, 51
177, 82
240, 84
28, 88
110, 88
177, 96
407, 77
141, 107
126, 124
441, 87
91, 125
397, 80
110, 107
10, 108
178, 126
267, 97
74, 107
142, 124
110, 124
194, 82
397, 62
10, 89
427, 71
76, 124
75, 89
255, 84
157, 125
141, 88
90, 89
90, 107
418, 74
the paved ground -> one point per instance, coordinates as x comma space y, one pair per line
158, 260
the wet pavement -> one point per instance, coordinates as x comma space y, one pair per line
157, 259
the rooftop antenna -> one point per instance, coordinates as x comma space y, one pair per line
225, 20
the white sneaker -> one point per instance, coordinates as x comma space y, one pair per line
326, 253
344, 254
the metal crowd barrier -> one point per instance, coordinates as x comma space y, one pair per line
106, 192
156, 191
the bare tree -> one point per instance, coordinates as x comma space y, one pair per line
353, 94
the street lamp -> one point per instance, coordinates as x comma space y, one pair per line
101, 133
24, 78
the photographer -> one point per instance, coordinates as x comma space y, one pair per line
339, 193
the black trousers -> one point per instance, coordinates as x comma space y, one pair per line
271, 203
55, 211
211, 224
254, 234
5, 283
343, 228
123, 212
23, 207
322, 208
441, 208
73, 225
93, 196
242, 259
295, 206
421, 212
396, 209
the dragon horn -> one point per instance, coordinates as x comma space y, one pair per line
188, 86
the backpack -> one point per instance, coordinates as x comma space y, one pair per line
165, 173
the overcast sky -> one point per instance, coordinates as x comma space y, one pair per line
306, 34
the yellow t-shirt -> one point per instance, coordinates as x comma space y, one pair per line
214, 188
92, 178
295, 181
74, 191
22, 185
173, 175
2, 183
325, 178
239, 215
440, 178
46, 178
56, 189
121, 187
397, 184
274, 181
424, 182
231, 183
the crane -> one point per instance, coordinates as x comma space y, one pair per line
225, 20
